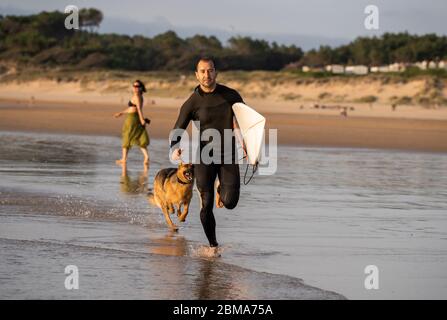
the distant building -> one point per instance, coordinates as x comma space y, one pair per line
424, 65
312, 69
421, 65
432, 65
397, 67
394, 67
376, 69
359, 70
363, 70
335, 68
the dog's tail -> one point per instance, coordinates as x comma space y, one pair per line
152, 200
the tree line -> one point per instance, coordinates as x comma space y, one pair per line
375, 51
42, 39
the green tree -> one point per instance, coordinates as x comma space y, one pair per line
90, 18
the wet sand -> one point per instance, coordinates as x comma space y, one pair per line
119, 261
62, 203
306, 232
293, 128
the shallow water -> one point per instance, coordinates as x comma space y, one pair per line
323, 217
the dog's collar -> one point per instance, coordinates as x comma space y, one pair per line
182, 182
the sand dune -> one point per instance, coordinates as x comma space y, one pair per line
87, 108
316, 96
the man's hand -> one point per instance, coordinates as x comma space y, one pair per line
118, 114
176, 154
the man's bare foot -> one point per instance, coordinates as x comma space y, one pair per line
120, 162
215, 252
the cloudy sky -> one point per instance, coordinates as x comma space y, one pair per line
304, 23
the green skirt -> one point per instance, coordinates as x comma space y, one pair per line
134, 134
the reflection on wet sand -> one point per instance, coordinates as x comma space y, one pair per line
134, 185
170, 245
211, 283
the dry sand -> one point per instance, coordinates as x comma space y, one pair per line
48, 106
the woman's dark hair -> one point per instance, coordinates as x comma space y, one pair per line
141, 84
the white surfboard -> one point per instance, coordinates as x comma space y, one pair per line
251, 125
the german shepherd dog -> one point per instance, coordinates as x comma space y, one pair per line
172, 189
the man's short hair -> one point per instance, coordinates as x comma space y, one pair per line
206, 59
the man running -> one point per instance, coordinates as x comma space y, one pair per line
211, 104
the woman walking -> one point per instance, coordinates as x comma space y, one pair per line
134, 131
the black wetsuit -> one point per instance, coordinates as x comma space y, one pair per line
214, 111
